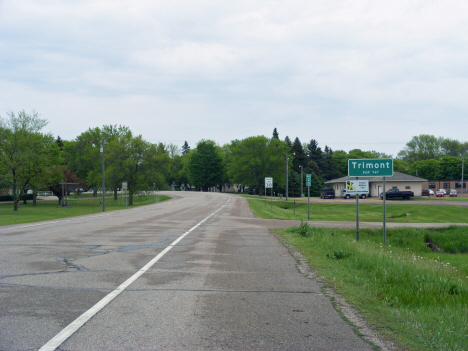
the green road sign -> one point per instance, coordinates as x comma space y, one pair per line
370, 167
308, 179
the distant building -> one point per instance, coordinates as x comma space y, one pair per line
5, 192
445, 184
400, 181
232, 188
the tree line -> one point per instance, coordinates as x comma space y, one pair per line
32, 160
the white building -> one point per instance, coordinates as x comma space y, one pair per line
400, 181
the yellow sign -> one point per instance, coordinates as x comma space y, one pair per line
349, 186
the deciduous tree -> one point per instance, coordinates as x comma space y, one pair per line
25, 153
254, 158
206, 166
422, 147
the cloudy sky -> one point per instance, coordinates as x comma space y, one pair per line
350, 74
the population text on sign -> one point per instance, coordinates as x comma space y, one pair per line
371, 167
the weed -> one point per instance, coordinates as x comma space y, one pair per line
339, 255
304, 228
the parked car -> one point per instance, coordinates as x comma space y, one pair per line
443, 191
395, 193
440, 193
453, 193
428, 192
345, 195
327, 193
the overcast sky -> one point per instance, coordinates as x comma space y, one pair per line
350, 74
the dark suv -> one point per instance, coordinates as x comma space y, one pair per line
327, 192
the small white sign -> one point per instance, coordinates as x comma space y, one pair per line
124, 185
268, 182
357, 186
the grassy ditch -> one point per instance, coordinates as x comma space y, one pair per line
414, 290
49, 210
404, 213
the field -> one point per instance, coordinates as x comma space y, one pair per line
48, 210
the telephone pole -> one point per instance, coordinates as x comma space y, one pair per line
103, 176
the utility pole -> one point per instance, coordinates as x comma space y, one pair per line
463, 166
103, 176
302, 188
287, 159
287, 169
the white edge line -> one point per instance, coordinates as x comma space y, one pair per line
69, 330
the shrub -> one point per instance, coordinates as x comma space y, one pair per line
10, 198
304, 228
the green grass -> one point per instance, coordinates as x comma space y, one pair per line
49, 210
404, 290
398, 213
445, 198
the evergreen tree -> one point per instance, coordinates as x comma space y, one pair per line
288, 141
312, 167
331, 167
185, 148
275, 134
315, 155
59, 142
299, 156
316, 185
294, 186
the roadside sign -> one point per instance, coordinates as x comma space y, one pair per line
124, 185
308, 179
268, 182
370, 167
357, 186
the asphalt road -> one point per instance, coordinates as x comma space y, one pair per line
156, 278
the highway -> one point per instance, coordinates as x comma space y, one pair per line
198, 272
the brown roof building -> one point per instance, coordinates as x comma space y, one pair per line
399, 181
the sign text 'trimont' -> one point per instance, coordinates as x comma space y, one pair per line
370, 167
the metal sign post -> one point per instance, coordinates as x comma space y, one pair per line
268, 184
357, 215
64, 185
379, 167
308, 183
384, 219
124, 188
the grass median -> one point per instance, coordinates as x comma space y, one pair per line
404, 213
405, 290
49, 210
